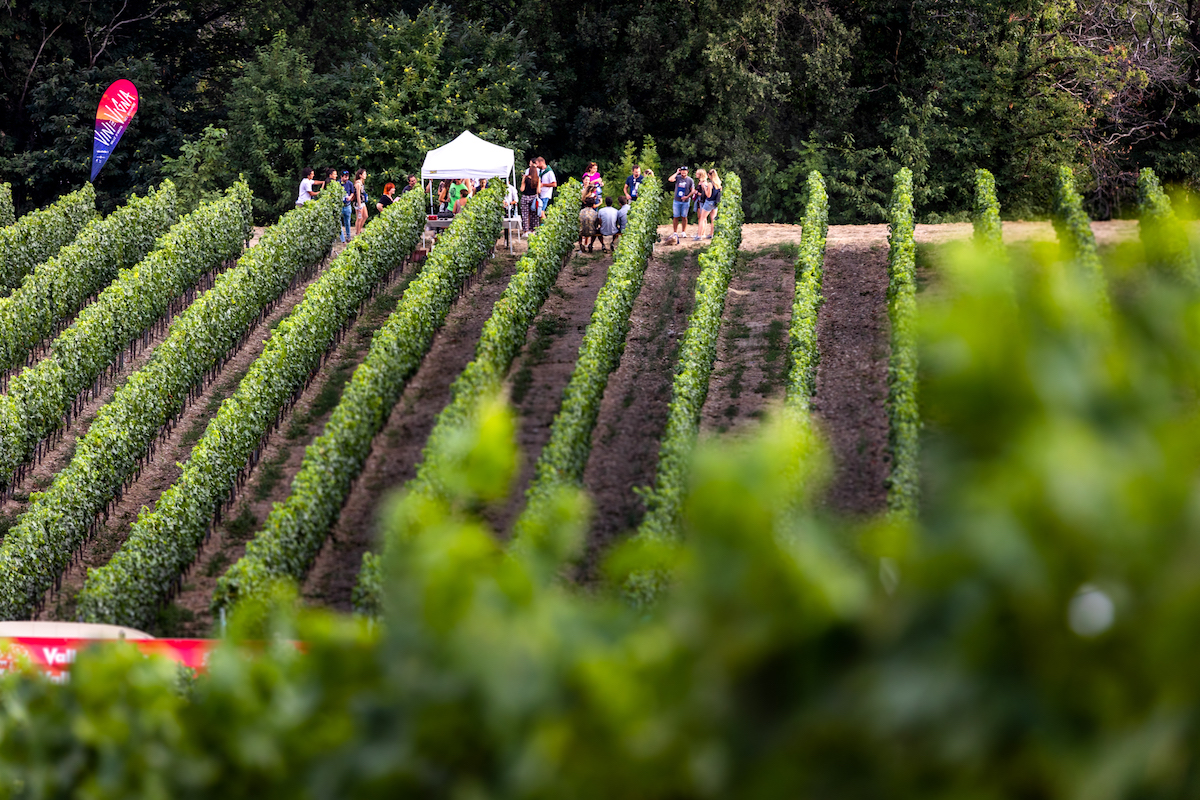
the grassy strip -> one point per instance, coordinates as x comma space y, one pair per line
60, 520
1075, 233
1163, 237
38, 235
163, 543
986, 219
41, 398
502, 337
802, 338
59, 286
296, 528
696, 355
904, 422
564, 457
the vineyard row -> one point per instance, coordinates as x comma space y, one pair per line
296, 528
58, 521
162, 544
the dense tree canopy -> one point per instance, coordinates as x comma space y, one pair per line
769, 88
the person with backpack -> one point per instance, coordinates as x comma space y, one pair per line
715, 180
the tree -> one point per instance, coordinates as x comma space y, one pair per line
201, 170
423, 81
277, 107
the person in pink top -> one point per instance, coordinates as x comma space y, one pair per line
593, 184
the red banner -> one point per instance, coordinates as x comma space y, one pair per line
54, 656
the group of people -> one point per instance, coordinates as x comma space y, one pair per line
453, 194
702, 193
538, 183
355, 199
598, 217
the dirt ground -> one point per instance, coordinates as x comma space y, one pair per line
396, 451
541, 370
633, 411
751, 363
756, 236
852, 342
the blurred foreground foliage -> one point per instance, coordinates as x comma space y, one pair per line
1030, 633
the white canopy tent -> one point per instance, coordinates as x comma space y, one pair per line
468, 156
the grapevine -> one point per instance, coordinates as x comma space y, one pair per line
903, 415
58, 521
296, 528
564, 457
164, 542
40, 234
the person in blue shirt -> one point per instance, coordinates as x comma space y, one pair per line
623, 216
685, 189
633, 183
609, 225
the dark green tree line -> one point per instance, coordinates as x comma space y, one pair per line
772, 89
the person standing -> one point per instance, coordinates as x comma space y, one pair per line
685, 187
704, 204
715, 180
608, 225
633, 184
457, 190
308, 190
443, 196
331, 181
389, 197
410, 185
347, 204
549, 182
512, 203
531, 185
360, 200
589, 225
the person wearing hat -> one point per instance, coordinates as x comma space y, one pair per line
347, 201
685, 187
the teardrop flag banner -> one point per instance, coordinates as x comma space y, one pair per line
116, 109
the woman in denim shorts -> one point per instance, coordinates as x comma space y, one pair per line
704, 204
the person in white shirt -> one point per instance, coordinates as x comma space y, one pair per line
307, 191
609, 222
511, 201
546, 192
